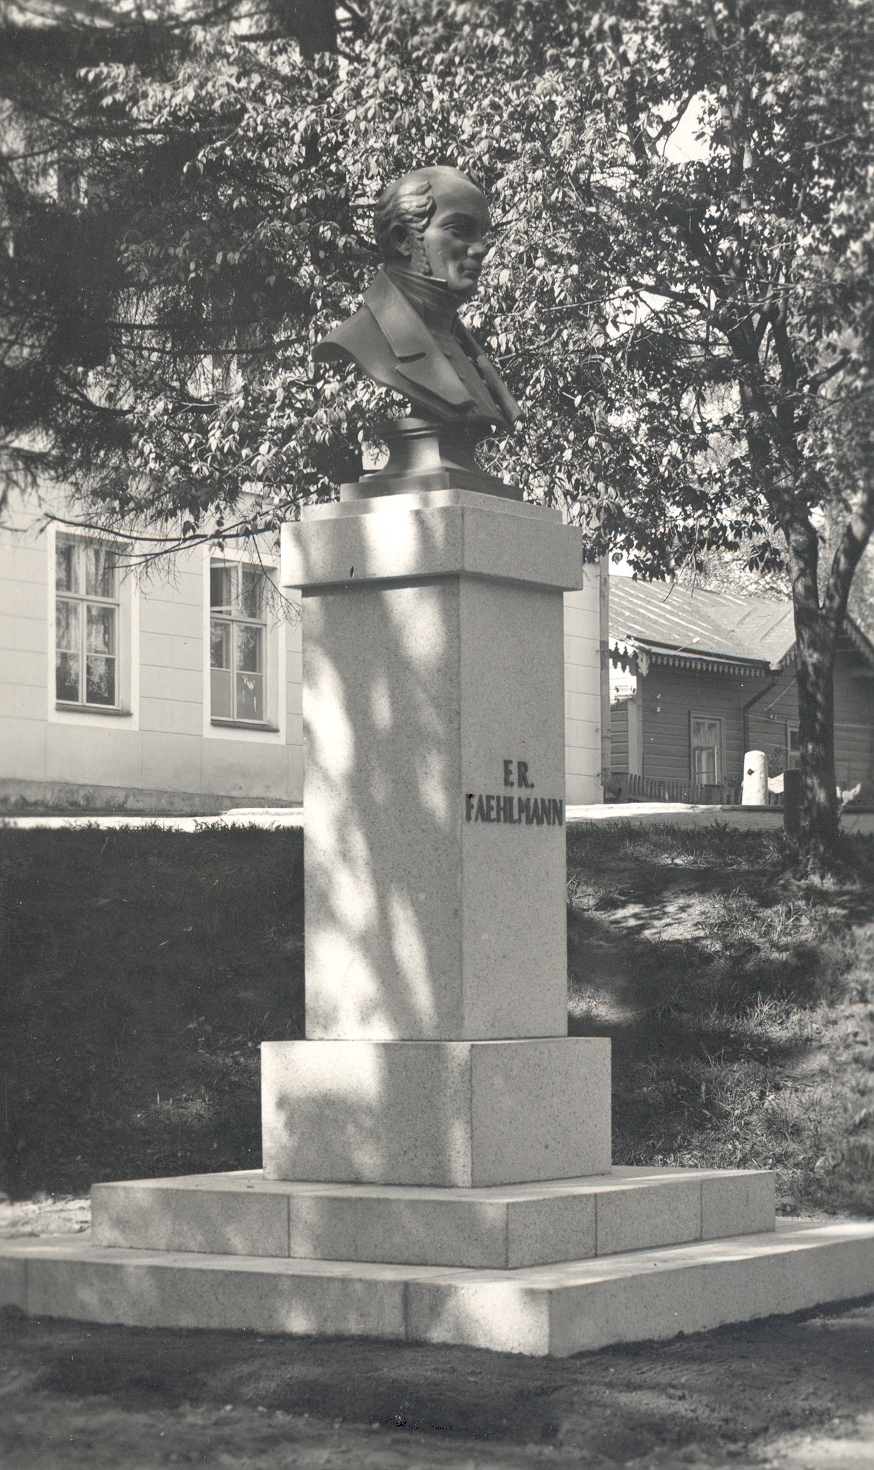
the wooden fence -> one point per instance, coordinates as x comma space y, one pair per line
623, 786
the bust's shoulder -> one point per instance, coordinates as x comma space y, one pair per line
385, 319
348, 336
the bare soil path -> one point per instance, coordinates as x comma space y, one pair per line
794, 1392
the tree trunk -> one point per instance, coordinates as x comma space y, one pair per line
816, 641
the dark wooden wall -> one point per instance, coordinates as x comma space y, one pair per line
619, 736
669, 695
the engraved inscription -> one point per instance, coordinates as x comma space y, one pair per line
515, 811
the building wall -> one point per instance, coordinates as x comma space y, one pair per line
163, 751
620, 756
771, 719
667, 697
583, 695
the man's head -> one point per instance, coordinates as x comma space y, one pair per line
434, 221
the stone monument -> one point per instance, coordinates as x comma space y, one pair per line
437, 1151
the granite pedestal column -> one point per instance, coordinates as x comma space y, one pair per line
437, 1049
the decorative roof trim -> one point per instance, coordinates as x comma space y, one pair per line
640, 656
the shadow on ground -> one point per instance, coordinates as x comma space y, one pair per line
739, 1002
156, 1397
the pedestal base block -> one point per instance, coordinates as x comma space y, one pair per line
505, 1226
463, 1113
541, 1310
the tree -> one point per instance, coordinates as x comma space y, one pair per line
691, 336
758, 259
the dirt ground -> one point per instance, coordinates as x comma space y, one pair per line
793, 1393
790, 1392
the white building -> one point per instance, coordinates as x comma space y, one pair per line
182, 692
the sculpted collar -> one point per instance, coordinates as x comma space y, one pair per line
437, 305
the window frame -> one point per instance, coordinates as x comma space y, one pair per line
271, 656
700, 715
82, 598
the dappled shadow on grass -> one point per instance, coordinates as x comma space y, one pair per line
680, 1018
737, 1001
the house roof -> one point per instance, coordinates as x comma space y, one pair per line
681, 624
700, 627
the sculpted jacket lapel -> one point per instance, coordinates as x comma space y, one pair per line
496, 385
419, 358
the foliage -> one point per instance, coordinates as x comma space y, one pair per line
738, 1000
690, 332
141, 970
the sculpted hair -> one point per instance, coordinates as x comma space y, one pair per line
408, 202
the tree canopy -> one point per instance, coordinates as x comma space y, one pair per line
680, 292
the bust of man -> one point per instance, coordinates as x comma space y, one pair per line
430, 228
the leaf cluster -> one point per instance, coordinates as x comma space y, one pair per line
679, 291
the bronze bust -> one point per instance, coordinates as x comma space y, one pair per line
430, 228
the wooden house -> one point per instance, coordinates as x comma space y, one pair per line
699, 677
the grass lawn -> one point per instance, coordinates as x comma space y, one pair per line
142, 969
739, 1002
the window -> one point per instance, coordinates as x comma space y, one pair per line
238, 643
706, 751
792, 746
86, 623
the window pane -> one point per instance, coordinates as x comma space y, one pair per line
67, 676
66, 566
705, 732
99, 629
99, 680
706, 745
704, 766
67, 626
99, 570
220, 645
221, 587
250, 696
220, 701
252, 592
249, 643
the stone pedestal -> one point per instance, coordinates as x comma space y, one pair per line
437, 1152
434, 854
436, 1112
433, 707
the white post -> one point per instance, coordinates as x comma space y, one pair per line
755, 783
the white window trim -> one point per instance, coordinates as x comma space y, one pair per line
126, 714
695, 714
272, 732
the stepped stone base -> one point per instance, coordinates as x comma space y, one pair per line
541, 1310
505, 1227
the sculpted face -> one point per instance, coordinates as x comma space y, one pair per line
454, 240
434, 222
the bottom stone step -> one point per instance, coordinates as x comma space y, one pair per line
507, 1225
539, 1310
